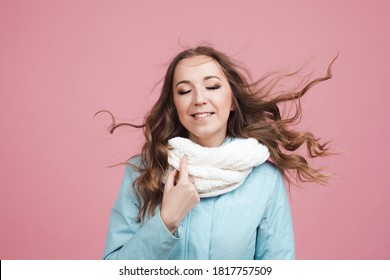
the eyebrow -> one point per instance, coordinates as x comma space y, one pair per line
204, 79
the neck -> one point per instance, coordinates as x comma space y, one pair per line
208, 142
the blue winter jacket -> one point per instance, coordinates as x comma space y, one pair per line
250, 222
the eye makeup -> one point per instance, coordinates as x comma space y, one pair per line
214, 87
181, 92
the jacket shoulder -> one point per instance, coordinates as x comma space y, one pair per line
267, 169
133, 165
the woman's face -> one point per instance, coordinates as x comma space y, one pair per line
203, 99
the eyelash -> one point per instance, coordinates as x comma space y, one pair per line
209, 88
214, 87
183, 92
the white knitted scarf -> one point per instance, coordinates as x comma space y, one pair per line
218, 170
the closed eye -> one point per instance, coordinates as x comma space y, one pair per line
181, 92
214, 87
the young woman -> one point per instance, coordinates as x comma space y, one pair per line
209, 183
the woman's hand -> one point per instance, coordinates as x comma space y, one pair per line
179, 197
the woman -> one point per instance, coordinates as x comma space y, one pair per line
209, 181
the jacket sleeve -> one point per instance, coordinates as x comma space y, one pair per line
275, 235
127, 238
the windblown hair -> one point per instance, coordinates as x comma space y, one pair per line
257, 115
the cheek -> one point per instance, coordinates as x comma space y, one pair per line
176, 104
227, 103
180, 106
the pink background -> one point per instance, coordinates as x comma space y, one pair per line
62, 61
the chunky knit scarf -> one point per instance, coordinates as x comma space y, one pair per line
218, 170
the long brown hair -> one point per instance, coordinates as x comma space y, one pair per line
257, 115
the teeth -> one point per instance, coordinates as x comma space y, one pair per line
203, 115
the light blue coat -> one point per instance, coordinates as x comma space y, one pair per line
250, 222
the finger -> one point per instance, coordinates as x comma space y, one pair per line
170, 180
183, 174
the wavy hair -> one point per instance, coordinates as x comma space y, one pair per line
257, 115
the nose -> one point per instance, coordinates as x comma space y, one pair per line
199, 97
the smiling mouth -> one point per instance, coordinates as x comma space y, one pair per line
202, 115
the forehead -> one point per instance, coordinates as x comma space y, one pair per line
197, 67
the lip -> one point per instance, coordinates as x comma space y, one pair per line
202, 115
203, 112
